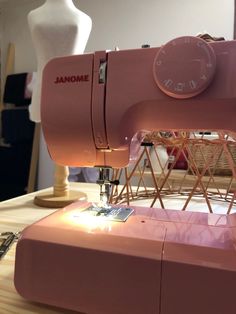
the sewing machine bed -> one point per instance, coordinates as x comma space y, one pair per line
158, 261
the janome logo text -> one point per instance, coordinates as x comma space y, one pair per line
72, 79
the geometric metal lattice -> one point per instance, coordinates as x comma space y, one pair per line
208, 171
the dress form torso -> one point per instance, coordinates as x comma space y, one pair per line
57, 28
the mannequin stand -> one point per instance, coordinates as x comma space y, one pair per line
61, 195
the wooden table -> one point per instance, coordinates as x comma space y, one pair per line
15, 215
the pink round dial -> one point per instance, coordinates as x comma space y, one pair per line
184, 67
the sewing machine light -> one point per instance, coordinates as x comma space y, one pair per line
94, 218
81, 219
107, 213
92, 223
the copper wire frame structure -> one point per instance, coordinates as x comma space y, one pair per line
210, 174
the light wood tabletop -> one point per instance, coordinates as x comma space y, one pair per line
15, 215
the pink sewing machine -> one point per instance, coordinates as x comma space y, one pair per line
95, 110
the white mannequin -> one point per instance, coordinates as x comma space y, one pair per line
57, 28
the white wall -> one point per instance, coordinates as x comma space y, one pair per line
131, 23
123, 23
15, 30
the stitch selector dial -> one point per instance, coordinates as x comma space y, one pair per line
184, 67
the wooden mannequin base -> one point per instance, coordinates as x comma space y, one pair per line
52, 201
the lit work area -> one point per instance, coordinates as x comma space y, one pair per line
118, 154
